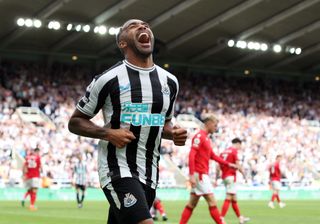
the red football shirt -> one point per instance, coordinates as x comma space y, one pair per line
275, 172
33, 164
230, 155
200, 154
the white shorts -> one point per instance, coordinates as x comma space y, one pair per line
203, 186
276, 185
230, 185
32, 183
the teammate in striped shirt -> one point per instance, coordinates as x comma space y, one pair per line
137, 100
275, 177
80, 179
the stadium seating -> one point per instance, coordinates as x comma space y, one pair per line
271, 116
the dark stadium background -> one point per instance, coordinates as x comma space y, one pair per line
189, 32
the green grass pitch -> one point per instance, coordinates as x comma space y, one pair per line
95, 212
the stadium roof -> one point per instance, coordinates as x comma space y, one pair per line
190, 31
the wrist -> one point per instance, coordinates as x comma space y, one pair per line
167, 134
167, 131
106, 134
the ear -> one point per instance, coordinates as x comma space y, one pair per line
122, 44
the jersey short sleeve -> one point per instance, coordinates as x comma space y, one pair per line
88, 102
196, 141
173, 85
235, 156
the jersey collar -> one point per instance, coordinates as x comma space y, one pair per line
139, 68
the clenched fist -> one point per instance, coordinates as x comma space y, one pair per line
179, 135
120, 137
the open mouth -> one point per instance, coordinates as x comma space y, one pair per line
143, 38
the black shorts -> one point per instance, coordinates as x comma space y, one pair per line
130, 201
82, 187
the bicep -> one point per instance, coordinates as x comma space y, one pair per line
79, 114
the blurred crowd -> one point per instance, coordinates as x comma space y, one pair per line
54, 91
271, 117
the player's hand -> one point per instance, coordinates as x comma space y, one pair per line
120, 137
232, 165
179, 135
192, 181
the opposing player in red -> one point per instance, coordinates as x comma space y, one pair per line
200, 154
31, 172
157, 206
275, 176
229, 179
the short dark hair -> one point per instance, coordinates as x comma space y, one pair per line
236, 140
36, 149
121, 29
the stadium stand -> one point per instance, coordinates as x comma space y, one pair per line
271, 116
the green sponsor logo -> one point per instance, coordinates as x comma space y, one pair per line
138, 114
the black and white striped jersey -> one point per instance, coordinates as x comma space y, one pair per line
80, 173
141, 99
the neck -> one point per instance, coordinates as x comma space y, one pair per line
146, 62
206, 130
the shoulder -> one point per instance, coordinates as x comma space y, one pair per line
113, 68
164, 72
199, 135
235, 151
196, 140
110, 73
